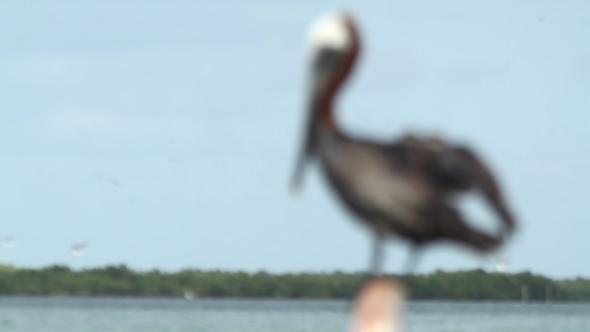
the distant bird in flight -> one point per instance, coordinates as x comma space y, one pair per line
111, 181
78, 249
8, 242
405, 187
501, 265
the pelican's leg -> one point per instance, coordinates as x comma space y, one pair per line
376, 255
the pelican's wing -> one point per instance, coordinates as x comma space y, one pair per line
458, 168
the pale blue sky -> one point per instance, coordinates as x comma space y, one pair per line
194, 108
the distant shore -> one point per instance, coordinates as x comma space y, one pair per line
120, 281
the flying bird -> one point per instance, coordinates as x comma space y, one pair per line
8, 242
406, 187
501, 265
78, 249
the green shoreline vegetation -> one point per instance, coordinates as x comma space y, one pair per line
474, 285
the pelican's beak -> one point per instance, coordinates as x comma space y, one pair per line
325, 63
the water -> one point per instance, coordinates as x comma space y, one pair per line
30, 314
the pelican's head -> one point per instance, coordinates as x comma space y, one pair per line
333, 44
333, 31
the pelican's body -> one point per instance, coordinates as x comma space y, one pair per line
400, 188
405, 188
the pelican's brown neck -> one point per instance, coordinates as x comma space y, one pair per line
326, 103
335, 42
326, 114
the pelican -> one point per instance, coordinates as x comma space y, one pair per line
405, 188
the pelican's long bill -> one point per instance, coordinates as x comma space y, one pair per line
324, 63
331, 42
378, 306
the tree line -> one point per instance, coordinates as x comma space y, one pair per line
119, 280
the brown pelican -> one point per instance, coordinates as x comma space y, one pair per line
404, 188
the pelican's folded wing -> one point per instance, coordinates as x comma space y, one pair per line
459, 169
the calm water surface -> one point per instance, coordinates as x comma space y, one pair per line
99, 314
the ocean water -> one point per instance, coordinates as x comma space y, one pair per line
34, 314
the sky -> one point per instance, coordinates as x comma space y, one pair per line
163, 134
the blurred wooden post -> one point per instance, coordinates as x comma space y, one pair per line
524, 290
379, 306
548, 295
